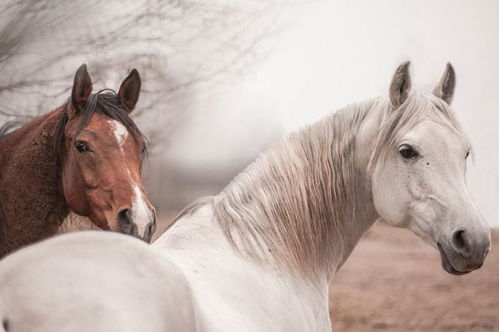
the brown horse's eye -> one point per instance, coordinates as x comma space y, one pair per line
81, 146
407, 152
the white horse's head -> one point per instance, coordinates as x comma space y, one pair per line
418, 173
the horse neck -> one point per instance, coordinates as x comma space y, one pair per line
29, 166
305, 203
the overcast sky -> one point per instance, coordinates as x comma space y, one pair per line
338, 52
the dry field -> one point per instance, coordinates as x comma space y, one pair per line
394, 282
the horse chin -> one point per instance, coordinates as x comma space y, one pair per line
446, 264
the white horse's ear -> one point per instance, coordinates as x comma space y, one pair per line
445, 88
401, 85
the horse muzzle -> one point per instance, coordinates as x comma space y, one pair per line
142, 228
464, 252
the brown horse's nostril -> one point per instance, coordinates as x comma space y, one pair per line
461, 243
125, 222
150, 229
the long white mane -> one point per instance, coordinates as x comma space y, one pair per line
297, 193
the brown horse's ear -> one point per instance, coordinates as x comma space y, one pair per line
401, 85
445, 88
130, 90
82, 87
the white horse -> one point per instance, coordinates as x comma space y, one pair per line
260, 256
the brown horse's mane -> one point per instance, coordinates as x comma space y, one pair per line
105, 102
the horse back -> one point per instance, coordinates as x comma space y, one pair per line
94, 281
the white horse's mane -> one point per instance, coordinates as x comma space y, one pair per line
297, 201
295, 194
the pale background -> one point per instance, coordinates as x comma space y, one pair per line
339, 52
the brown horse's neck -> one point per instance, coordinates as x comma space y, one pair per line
32, 204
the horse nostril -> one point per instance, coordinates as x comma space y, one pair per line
124, 217
461, 243
125, 221
149, 231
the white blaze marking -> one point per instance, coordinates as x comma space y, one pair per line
141, 214
120, 132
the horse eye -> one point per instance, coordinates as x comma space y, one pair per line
81, 146
467, 154
407, 152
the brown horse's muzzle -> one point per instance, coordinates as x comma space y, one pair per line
142, 229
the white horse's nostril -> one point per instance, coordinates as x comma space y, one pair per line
461, 243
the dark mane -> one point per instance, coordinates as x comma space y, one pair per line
105, 102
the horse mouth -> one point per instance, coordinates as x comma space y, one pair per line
446, 264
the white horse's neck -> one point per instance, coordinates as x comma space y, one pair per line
305, 203
272, 240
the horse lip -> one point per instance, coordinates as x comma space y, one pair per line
446, 264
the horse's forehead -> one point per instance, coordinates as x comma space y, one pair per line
109, 128
437, 133
120, 132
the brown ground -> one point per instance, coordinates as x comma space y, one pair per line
394, 282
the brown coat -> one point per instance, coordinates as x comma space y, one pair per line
32, 205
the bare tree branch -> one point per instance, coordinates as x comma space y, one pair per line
178, 47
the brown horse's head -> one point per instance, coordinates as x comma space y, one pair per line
101, 152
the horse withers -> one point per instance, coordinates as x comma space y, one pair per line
84, 157
260, 256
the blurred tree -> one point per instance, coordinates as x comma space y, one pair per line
178, 47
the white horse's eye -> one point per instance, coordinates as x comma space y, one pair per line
467, 154
407, 152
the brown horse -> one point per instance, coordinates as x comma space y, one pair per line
83, 157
